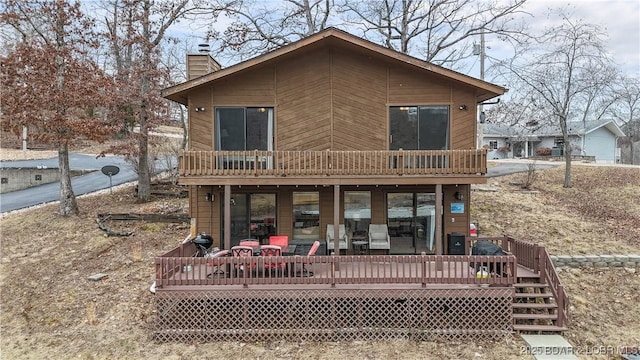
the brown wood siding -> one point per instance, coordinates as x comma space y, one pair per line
206, 212
201, 123
303, 115
253, 88
408, 88
378, 207
458, 223
285, 212
326, 210
359, 103
463, 122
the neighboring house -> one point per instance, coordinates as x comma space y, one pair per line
332, 129
597, 139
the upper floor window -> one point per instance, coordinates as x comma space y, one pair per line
244, 128
493, 145
419, 127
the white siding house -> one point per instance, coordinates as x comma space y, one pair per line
589, 139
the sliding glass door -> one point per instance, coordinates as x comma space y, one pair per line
244, 129
411, 222
253, 216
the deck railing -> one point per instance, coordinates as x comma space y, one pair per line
536, 258
335, 270
333, 163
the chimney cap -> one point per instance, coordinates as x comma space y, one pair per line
203, 48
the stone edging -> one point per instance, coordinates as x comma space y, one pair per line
597, 261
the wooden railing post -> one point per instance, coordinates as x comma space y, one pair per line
541, 265
560, 302
423, 260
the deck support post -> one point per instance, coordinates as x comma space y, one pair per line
438, 225
227, 217
336, 222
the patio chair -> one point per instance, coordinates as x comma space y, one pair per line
379, 238
305, 260
342, 235
240, 253
279, 240
272, 250
216, 264
250, 243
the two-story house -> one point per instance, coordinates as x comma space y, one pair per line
331, 129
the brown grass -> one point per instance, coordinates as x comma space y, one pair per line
49, 308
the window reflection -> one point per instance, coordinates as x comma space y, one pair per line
306, 216
357, 213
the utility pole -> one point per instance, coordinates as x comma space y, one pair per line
480, 107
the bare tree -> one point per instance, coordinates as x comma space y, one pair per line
136, 32
435, 30
626, 111
51, 86
563, 68
258, 26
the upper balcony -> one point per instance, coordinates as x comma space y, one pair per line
349, 167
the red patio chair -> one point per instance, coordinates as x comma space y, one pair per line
250, 243
306, 260
242, 252
279, 240
272, 250
216, 264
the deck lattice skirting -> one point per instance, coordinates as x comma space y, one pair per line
598, 261
338, 314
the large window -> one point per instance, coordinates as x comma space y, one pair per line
306, 216
241, 129
419, 127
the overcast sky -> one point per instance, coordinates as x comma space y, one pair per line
620, 19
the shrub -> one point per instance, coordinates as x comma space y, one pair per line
543, 152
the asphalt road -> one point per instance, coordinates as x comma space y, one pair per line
96, 180
508, 167
83, 184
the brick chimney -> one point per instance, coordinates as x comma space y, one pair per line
201, 64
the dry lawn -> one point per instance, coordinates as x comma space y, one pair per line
49, 309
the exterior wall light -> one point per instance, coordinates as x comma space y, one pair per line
458, 195
463, 107
199, 108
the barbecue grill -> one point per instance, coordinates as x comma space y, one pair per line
484, 247
203, 242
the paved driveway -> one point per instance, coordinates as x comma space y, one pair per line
83, 184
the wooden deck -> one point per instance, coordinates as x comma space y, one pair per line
419, 297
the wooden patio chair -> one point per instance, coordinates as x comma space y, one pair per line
342, 234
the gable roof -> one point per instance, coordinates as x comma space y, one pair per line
575, 128
485, 90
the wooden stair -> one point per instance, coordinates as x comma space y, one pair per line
534, 308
